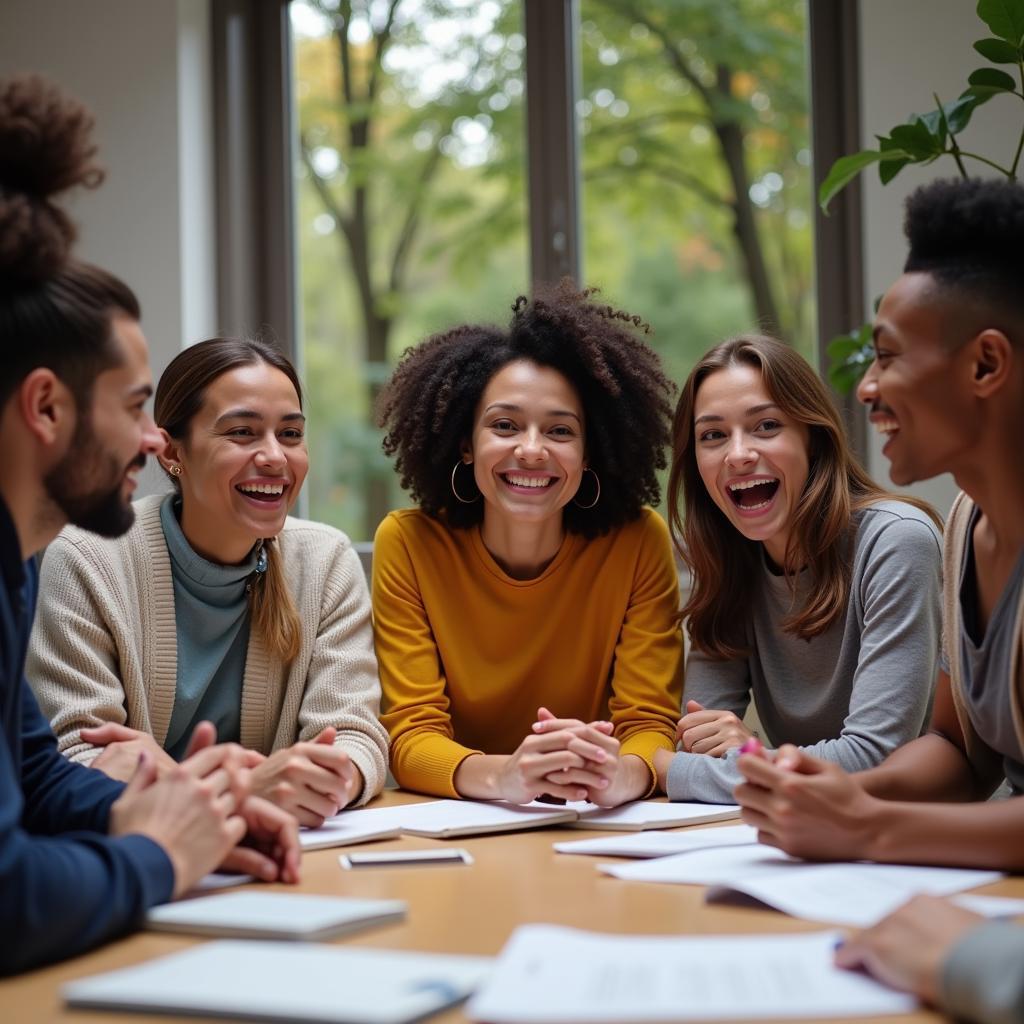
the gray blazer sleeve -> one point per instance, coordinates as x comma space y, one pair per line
983, 979
898, 584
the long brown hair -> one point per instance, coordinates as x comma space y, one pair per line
723, 563
179, 396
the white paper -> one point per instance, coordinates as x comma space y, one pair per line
857, 894
718, 865
443, 818
218, 880
272, 915
990, 906
553, 975
853, 894
287, 981
660, 844
650, 814
347, 828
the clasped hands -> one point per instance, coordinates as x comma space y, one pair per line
203, 814
572, 760
312, 780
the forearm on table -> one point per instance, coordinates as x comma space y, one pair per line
477, 777
987, 834
930, 768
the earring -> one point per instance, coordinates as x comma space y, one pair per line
175, 469
465, 501
597, 497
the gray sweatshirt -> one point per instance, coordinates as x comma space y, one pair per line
854, 693
983, 979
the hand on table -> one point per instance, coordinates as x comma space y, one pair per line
807, 807
311, 781
192, 811
909, 948
706, 731
270, 849
605, 777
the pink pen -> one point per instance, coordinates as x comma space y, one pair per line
752, 746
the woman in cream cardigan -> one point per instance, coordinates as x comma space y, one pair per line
217, 606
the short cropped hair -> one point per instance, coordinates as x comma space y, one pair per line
967, 234
429, 404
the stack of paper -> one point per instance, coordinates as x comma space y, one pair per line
661, 844
284, 981
273, 915
856, 894
552, 975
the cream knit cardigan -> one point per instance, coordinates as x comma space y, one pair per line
104, 645
985, 761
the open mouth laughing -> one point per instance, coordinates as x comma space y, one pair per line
265, 493
753, 495
526, 482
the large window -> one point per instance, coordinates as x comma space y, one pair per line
691, 122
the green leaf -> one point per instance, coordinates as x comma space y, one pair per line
958, 112
893, 160
998, 51
850, 355
1005, 18
917, 140
992, 78
842, 172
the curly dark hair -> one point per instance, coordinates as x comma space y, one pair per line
54, 311
429, 404
967, 236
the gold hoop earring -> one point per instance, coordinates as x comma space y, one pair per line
459, 497
597, 497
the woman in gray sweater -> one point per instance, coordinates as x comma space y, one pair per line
217, 605
814, 592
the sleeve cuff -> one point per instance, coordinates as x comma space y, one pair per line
982, 979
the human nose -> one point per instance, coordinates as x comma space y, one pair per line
270, 453
152, 442
867, 389
739, 451
531, 446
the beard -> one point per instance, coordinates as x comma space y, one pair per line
86, 485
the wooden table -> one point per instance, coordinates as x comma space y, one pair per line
516, 878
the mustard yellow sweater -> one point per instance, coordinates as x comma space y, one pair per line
467, 654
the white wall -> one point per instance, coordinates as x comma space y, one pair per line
143, 68
910, 49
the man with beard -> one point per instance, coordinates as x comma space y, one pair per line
83, 857
946, 389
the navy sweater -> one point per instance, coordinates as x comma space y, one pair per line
65, 885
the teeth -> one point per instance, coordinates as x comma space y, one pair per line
262, 488
886, 427
527, 481
744, 485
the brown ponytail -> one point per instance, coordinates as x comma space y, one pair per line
273, 610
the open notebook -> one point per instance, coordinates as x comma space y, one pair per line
273, 915
287, 981
449, 819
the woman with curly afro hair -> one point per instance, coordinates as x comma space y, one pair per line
526, 613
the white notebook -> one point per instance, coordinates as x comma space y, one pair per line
552, 975
450, 819
650, 814
273, 915
281, 981
347, 828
